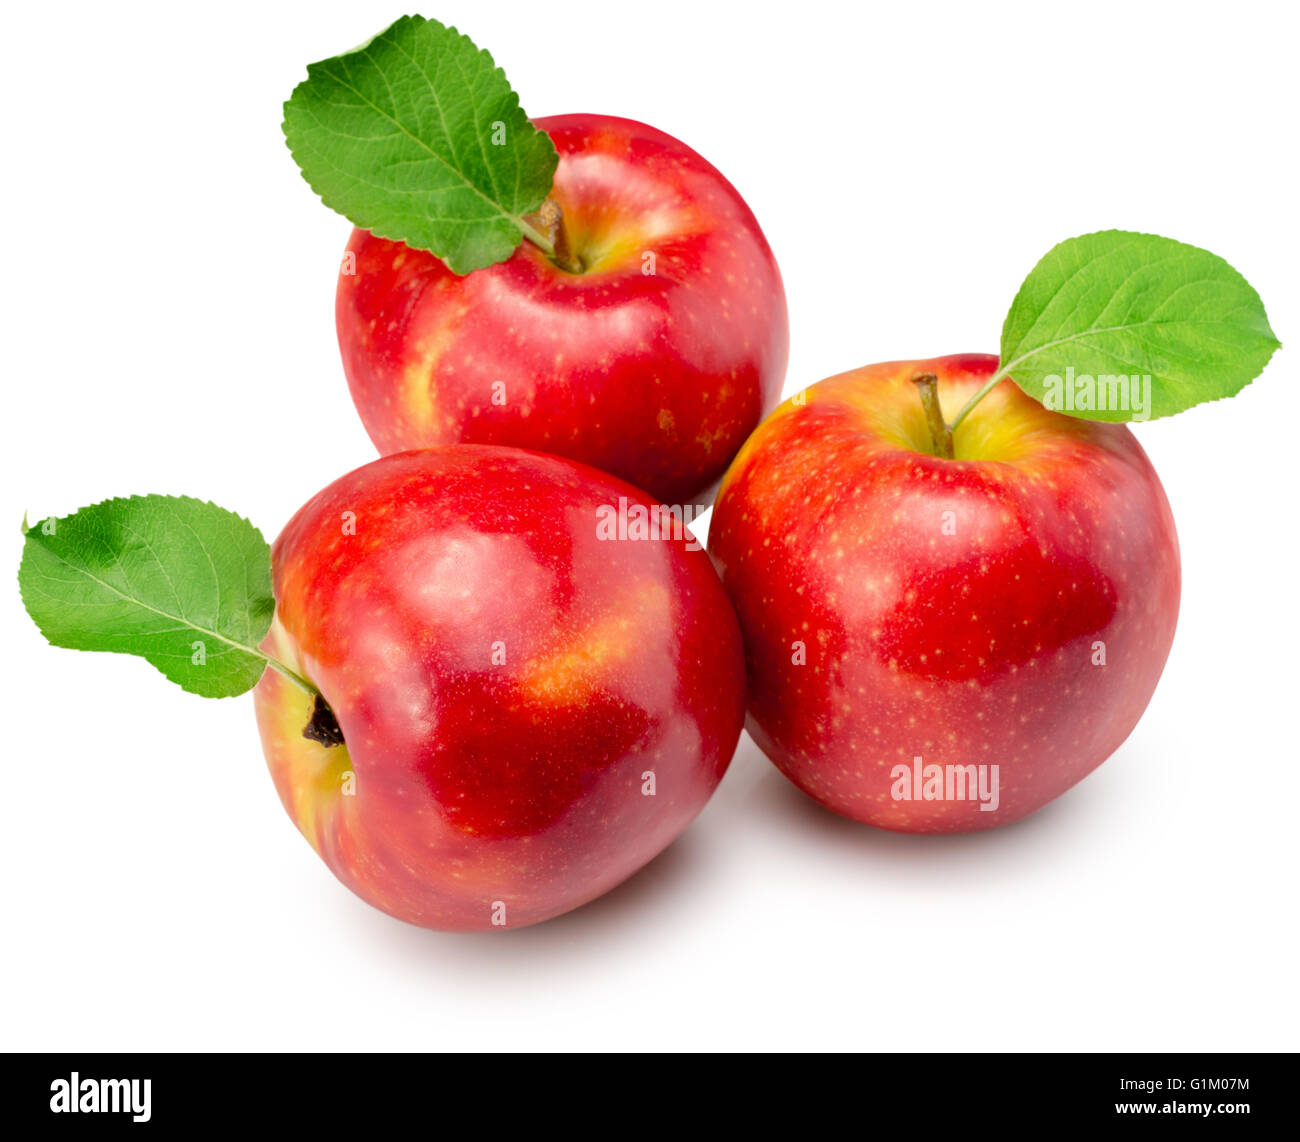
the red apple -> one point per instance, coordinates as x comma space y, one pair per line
654, 363
1011, 607
530, 709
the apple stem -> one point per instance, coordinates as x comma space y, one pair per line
927, 386
323, 727
546, 230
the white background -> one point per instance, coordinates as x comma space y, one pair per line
168, 285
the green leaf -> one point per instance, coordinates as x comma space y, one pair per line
418, 137
1107, 311
182, 583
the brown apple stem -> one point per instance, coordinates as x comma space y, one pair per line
564, 253
549, 219
323, 727
927, 386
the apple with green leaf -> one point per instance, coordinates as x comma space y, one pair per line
958, 579
479, 704
583, 285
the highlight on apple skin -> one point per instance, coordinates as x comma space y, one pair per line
654, 363
530, 711
1012, 607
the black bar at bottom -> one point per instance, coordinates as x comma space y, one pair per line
1222, 1093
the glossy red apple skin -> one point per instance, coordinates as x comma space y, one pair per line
504, 681
657, 378
975, 647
